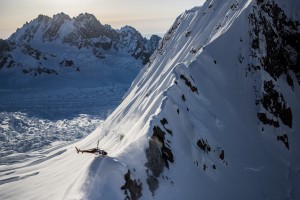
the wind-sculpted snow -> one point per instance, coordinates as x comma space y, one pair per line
189, 127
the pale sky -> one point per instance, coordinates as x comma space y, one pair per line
147, 16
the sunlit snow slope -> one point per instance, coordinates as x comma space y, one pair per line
215, 115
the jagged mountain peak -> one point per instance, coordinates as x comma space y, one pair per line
85, 16
61, 16
89, 26
128, 29
62, 27
81, 32
41, 18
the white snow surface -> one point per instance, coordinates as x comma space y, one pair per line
203, 45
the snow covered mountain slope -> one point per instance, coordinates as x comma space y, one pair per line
214, 115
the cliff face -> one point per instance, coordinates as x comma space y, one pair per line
275, 51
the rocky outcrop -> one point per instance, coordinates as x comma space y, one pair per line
275, 51
5, 56
132, 188
158, 155
279, 37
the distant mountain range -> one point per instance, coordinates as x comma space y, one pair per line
48, 45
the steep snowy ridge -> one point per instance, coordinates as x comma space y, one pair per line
203, 108
214, 115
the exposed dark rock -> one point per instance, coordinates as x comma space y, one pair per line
203, 145
187, 33
241, 58
234, 6
67, 63
153, 183
169, 131
138, 53
89, 26
5, 56
35, 53
222, 155
167, 155
6, 60
274, 103
154, 156
155, 163
159, 135
3, 61
4, 47
255, 43
39, 70
11, 63
158, 156
42, 18
164, 122
290, 81
189, 84
183, 97
194, 50
278, 36
265, 120
282, 57
132, 188
284, 138
105, 45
